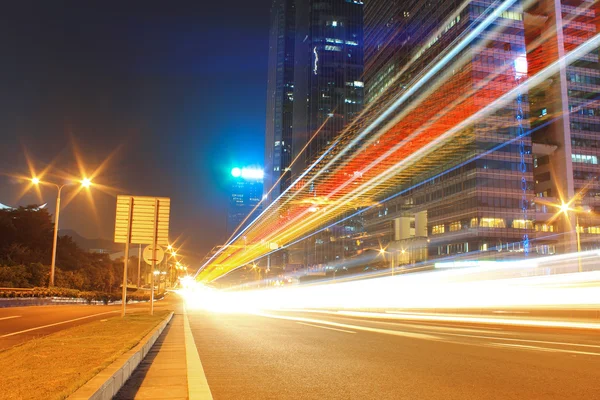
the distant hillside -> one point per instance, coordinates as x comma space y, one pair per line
89, 244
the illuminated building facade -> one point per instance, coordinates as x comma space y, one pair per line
280, 97
314, 82
566, 122
442, 152
246, 193
328, 95
480, 201
314, 87
328, 77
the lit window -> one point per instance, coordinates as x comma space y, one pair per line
437, 229
595, 230
492, 223
474, 222
584, 159
455, 226
544, 228
512, 15
522, 224
329, 47
334, 23
359, 84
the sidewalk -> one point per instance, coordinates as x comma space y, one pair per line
163, 373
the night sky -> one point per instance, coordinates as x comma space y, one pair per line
175, 90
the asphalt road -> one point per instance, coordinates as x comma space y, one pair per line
20, 324
322, 356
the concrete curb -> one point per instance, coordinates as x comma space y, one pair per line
107, 383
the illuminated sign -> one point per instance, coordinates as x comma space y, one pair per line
248, 173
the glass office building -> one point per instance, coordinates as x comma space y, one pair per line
280, 97
566, 122
479, 200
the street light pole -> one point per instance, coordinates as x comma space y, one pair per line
86, 183
565, 209
578, 242
55, 240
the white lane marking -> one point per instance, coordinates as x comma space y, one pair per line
432, 337
511, 339
523, 340
355, 327
12, 316
510, 312
324, 327
477, 320
547, 349
197, 384
57, 323
437, 328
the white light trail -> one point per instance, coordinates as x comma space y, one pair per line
536, 282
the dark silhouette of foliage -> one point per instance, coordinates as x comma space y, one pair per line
25, 253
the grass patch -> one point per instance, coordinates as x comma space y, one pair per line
55, 366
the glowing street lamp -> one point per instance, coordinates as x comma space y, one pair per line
565, 208
85, 183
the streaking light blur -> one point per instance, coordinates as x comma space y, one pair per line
545, 282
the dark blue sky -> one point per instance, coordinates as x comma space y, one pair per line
179, 86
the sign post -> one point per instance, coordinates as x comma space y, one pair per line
126, 258
139, 265
154, 245
142, 220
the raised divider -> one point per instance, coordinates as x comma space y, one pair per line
107, 383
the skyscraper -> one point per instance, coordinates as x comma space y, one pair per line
246, 193
328, 87
280, 97
315, 89
314, 83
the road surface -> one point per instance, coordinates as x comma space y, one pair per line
20, 324
301, 355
